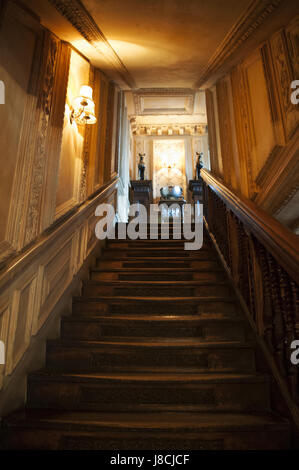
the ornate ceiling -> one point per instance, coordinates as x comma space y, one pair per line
160, 51
156, 43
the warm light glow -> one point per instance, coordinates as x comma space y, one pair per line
86, 91
169, 164
83, 107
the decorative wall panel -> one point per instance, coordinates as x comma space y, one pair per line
71, 155
264, 125
20, 40
263, 130
285, 70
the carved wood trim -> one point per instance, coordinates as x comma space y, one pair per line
103, 83
54, 136
255, 15
20, 198
119, 111
109, 131
273, 95
94, 137
75, 12
284, 74
225, 130
243, 126
44, 104
212, 131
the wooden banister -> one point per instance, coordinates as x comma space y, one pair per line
261, 257
279, 240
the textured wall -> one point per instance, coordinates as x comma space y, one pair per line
254, 126
47, 168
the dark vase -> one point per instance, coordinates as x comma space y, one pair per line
199, 165
141, 168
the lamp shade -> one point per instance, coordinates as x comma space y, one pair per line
86, 92
84, 107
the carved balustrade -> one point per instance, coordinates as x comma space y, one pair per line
262, 258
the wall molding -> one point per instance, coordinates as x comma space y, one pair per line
255, 15
75, 12
45, 99
279, 177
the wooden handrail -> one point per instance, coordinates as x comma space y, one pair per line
279, 240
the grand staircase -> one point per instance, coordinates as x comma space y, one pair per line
156, 355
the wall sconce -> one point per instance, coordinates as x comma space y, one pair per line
83, 107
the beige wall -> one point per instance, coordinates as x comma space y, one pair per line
253, 126
48, 167
72, 146
18, 43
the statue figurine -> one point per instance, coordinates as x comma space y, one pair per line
199, 164
141, 166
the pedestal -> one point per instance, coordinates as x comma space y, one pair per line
141, 191
196, 190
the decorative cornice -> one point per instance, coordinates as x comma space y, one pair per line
193, 129
78, 16
255, 15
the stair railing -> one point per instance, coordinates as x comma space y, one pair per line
261, 257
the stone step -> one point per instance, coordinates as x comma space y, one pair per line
174, 263
148, 392
94, 288
155, 305
228, 356
95, 328
75, 430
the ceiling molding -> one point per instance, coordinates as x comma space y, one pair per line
75, 12
255, 15
143, 95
